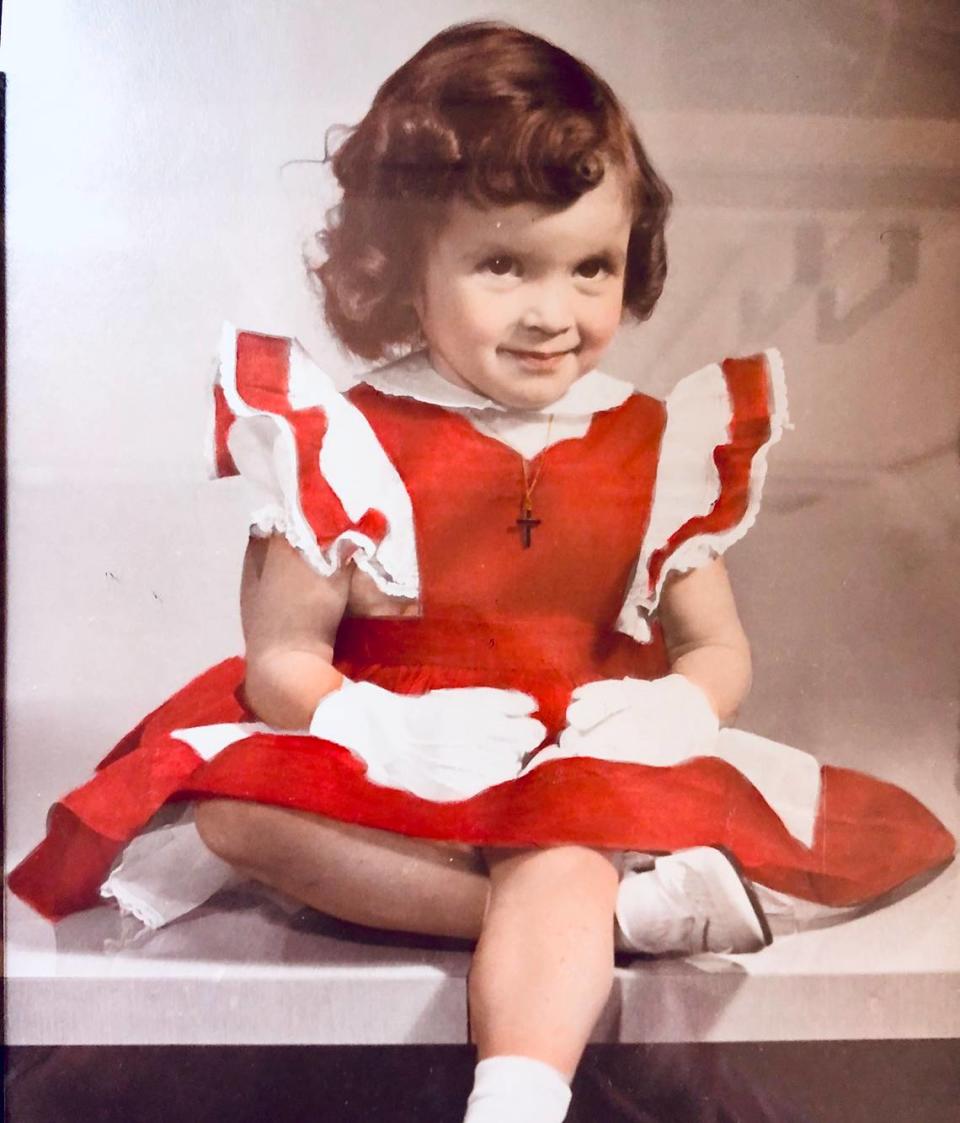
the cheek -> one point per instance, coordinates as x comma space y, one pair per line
479, 316
604, 320
446, 316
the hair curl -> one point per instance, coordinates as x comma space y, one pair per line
494, 115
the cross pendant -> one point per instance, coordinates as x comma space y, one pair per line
526, 522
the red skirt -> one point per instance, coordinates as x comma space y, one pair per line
869, 837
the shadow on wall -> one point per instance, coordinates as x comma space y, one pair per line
763, 315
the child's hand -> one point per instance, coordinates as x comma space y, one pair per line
443, 745
636, 721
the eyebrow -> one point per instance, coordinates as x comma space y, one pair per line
490, 249
485, 249
614, 256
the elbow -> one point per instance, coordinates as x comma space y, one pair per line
259, 697
741, 682
260, 688
283, 688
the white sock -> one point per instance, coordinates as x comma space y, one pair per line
517, 1090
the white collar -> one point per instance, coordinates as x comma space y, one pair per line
413, 376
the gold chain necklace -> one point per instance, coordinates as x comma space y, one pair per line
526, 522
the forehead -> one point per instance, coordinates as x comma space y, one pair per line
599, 218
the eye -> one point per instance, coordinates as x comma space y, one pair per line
593, 268
501, 266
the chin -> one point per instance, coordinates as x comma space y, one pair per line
535, 391
532, 397
544, 393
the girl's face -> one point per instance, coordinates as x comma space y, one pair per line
518, 302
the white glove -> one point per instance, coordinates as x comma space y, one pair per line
636, 721
443, 745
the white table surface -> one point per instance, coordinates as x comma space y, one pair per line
249, 972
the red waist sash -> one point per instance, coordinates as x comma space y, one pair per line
537, 645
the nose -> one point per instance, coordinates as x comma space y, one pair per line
547, 307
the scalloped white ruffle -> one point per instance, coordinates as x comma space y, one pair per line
352, 461
688, 483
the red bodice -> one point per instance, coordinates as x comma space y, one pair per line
494, 612
591, 495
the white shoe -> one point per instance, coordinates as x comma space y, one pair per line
690, 902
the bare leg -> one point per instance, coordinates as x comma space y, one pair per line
544, 964
356, 873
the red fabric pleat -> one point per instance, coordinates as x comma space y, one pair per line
64, 873
748, 388
223, 418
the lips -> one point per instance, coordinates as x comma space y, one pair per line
537, 354
537, 360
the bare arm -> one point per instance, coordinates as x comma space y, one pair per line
290, 618
705, 640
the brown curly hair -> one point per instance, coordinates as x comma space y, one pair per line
494, 115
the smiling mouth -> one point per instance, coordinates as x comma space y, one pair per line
537, 354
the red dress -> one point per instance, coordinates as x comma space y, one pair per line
541, 619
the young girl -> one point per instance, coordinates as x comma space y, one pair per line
490, 641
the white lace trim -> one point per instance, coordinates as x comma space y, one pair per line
167, 871
413, 376
688, 484
131, 903
352, 462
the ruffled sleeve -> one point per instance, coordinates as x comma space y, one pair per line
320, 475
720, 423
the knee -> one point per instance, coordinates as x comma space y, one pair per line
581, 871
227, 827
